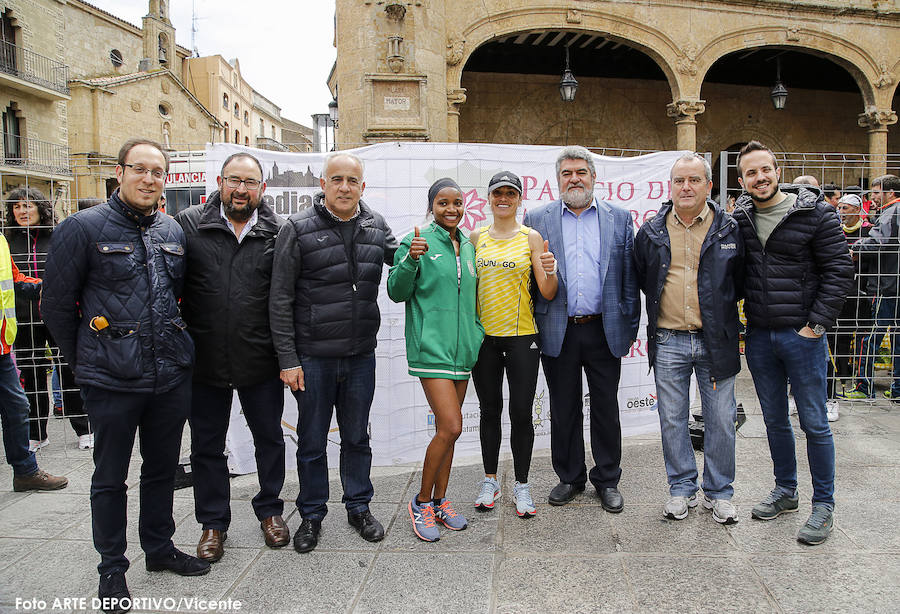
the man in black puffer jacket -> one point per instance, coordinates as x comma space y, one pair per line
798, 273
114, 275
324, 314
230, 246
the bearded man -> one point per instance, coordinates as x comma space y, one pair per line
230, 243
589, 325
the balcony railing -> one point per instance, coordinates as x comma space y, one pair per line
35, 156
34, 68
264, 142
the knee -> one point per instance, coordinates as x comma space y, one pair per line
450, 432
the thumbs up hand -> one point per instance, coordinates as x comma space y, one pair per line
418, 246
548, 260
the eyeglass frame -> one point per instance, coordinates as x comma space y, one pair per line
237, 183
139, 169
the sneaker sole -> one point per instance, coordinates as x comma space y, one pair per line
447, 526
774, 516
726, 521
486, 507
412, 517
199, 572
529, 514
810, 542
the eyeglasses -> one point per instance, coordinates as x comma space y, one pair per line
157, 173
234, 182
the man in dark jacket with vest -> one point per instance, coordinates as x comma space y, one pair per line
230, 245
689, 264
113, 279
329, 259
798, 272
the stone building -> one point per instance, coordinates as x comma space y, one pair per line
33, 95
667, 74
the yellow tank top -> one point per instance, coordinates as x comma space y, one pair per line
504, 284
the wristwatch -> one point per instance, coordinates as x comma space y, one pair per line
817, 329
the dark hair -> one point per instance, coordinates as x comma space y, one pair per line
829, 189
132, 143
751, 147
888, 183
439, 185
242, 154
32, 195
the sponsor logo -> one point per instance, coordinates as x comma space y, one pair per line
646, 402
728, 246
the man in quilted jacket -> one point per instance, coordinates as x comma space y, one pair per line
114, 276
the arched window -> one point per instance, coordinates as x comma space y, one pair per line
237, 137
225, 101
163, 45
262, 128
246, 118
237, 111
247, 141
225, 133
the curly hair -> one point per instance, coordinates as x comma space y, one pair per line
33, 195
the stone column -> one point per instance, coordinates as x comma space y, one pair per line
876, 122
684, 112
455, 98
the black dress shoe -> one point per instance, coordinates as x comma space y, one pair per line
178, 562
562, 493
366, 525
112, 592
307, 536
611, 499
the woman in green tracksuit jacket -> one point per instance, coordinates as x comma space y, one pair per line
434, 273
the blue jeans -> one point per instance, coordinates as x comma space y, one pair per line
678, 353
774, 356
887, 314
347, 385
14, 410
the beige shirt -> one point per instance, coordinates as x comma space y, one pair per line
679, 305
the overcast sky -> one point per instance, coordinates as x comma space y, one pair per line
284, 46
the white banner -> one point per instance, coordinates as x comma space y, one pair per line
397, 177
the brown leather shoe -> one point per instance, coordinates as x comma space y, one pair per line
212, 545
276, 531
39, 480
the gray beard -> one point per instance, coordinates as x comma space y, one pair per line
238, 215
574, 201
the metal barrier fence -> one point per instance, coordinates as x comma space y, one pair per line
858, 359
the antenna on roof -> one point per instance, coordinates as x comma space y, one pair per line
194, 20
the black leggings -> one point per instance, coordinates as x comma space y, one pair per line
520, 357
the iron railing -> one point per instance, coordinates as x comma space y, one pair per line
36, 156
34, 68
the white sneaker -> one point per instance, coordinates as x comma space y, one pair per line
490, 492
723, 510
35, 445
86, 441
831, 410
792, 406
522, 498
677, 507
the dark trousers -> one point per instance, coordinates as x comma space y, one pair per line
346, 386
116, 416
584, 347
519, 356
262, 405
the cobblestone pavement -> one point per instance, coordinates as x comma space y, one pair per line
576, 558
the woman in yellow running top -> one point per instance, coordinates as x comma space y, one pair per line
508, 256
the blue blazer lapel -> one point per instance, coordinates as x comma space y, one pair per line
607, 225
554, 227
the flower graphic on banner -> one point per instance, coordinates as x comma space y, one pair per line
474, 209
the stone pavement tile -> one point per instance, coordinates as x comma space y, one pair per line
863, 426
677, 583
41, 514
868, 451
642, 453
57, 568
8, 496
780, 534
480, 536
868, 483
644, 529
182, 510
285, 581
871, 525
572, 528
641, 484
214, 585
12, 549
337, 534
831, 582
525, 584
427, 582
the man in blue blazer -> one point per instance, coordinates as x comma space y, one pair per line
589, 325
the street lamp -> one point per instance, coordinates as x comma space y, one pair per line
779, 93
568, 85
333, 112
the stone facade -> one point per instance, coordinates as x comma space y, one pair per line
400, 73
37, 154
